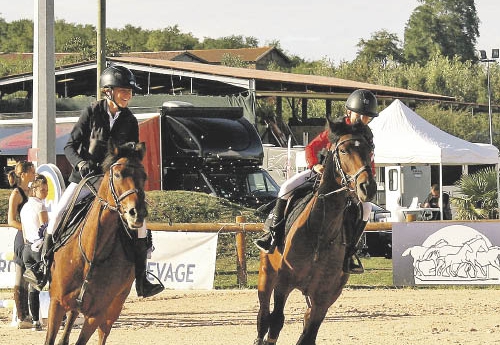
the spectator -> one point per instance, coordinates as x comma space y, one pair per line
432, 201
34, 219
19, 179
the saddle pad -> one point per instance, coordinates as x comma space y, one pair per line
77, 215
297, 205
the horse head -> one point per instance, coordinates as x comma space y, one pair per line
350, 159
125, 176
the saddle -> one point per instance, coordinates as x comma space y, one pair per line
76, 214
76, 211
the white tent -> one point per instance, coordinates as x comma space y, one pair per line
402, 137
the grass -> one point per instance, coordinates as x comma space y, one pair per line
378, 273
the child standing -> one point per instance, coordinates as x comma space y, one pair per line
34, 219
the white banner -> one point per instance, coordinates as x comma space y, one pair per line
184, 260
181, 260
7, 266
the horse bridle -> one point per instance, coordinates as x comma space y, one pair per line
116, 198
347, 179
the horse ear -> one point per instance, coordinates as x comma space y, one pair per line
141, 149
338, 127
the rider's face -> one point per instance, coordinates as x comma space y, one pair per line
355, 117
122, 96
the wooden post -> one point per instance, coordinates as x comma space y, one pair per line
241, 263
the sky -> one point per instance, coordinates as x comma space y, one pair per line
313, 30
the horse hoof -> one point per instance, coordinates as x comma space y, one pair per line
259, 341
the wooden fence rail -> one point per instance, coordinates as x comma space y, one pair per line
240, 228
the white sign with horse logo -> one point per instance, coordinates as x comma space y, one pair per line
431, 253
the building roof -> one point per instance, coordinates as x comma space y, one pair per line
210, 56
270, 83
164, 76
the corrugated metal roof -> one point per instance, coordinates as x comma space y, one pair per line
281, 80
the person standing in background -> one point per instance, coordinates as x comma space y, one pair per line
19, 179
34, 219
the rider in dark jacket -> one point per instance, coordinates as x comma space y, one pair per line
107, 119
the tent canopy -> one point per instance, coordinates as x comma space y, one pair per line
401, 136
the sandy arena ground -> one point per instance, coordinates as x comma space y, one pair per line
360, 317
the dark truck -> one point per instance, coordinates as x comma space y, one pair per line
206, 149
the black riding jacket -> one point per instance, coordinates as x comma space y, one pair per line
89, 137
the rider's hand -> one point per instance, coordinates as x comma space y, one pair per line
85, 168
318, 168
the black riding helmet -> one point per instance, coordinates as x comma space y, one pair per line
119, 76
362, 102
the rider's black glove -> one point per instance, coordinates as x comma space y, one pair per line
85, 168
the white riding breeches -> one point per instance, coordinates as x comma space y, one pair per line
298, 179
293, 182
55, 216
367, 208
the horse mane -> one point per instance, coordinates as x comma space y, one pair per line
132, 151
339, 128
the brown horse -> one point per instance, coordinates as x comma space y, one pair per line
312, 257
92, 273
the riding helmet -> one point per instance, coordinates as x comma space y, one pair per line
119, 76
362, 102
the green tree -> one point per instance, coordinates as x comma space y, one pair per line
19, 37
170, 38
445, 27
85, 50
478, 196
382, 46
229, 42
130, 36
232, 60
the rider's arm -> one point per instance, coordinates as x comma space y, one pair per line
314, 147
78, 141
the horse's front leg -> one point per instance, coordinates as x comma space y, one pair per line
56, 313
277, 317
323, 297
88, 328
313, 318
265, 285
70, 321
112, 315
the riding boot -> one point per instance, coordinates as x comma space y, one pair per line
142, 285
38, 274
352, 263
275, 234
34, 303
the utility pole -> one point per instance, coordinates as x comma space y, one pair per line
101, 43
44, 85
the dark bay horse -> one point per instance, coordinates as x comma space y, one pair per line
92, 273
312, 257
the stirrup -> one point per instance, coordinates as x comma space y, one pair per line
154, 288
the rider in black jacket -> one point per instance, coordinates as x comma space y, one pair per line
104, 120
